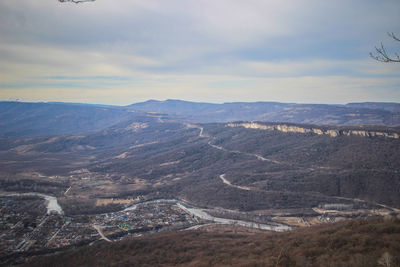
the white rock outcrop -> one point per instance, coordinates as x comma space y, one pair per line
297, 129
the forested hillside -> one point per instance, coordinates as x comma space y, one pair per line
359, 243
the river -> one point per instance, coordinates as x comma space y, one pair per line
53, 207
202, 214
51, 202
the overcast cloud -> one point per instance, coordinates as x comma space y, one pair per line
125, 51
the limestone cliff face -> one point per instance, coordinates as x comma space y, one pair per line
297, 129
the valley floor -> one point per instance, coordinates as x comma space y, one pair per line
28, 230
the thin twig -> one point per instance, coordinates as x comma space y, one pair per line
381, 53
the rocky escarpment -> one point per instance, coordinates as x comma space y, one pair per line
287, 128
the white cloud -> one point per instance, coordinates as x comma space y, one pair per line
226, 50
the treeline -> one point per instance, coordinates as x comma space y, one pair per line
87, 207
27, 185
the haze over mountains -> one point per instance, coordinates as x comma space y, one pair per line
18, 119
350, 114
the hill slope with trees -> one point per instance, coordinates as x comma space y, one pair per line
362, 242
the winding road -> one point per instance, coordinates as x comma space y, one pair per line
98, 229
202, 135
225, 181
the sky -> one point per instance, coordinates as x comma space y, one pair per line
126, 51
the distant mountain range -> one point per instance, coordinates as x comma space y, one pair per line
349, 114
19, 119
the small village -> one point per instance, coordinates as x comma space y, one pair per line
26, 228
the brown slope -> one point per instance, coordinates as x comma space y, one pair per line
362, 242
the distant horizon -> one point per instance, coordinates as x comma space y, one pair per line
200, 102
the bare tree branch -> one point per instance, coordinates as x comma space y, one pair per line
391, 34
381, 53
